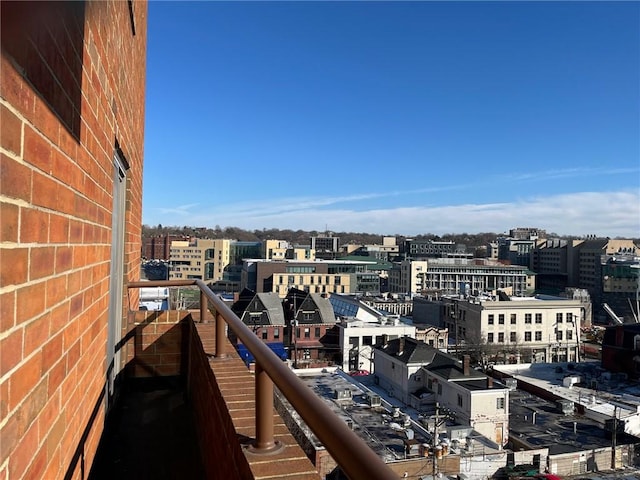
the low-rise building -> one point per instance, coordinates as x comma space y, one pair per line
506, 329
312, 276
417, 374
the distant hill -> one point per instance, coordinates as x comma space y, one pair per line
302, 237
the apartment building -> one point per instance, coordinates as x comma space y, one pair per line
455, 275
282, 250
198, 258
158, 246
326, 246
588, 264
72, 90
407, 276
418, 249
319, 276
516, 329
385, 251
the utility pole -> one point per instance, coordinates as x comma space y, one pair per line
435, 442
613, 437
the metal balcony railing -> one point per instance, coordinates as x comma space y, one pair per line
352, 454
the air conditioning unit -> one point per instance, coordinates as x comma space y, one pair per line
342, 394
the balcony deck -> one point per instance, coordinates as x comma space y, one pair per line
150, 434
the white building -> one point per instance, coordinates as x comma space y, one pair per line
361, 327
418, 375
517, 329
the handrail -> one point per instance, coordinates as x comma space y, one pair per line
353, 455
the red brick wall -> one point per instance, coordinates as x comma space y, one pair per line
72, 79
155, 344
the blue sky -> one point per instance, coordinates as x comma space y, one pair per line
394, 117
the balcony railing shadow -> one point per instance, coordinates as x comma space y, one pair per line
236, 428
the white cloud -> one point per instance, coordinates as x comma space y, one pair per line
613, 214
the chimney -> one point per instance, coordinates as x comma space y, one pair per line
466, 365
489, 382
401, 345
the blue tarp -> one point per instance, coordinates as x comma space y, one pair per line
277, 348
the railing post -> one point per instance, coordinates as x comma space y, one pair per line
204, 303
220, 336
264, 415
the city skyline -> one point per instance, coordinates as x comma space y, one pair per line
394, 117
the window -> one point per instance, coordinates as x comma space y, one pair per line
500, 403
513, 318
512, 337
439, 389
538, 336
569, 317
307, 332
116, 269
527, 318
367, 340
490, 319
489, 337
265, 334
501, 319
569, 335
318, 332
276, 333
459, 400
559, 335
538, 318
558, 317
501, 337
527, 336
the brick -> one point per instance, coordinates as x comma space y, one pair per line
11, 131
63, 259
38, 465
45, 191
31, 302
9, 215
53, 468
45, 120
10, 434
58, 229
30, 408
16, 179
51, 352
24, 380
37, 151
75, 231
7, 311
12, 88
57, 375
66, 199
56, 291
59, 317
55, 435
36, 334
18, 258
23, 453
34, 226
42, 262
11, 351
